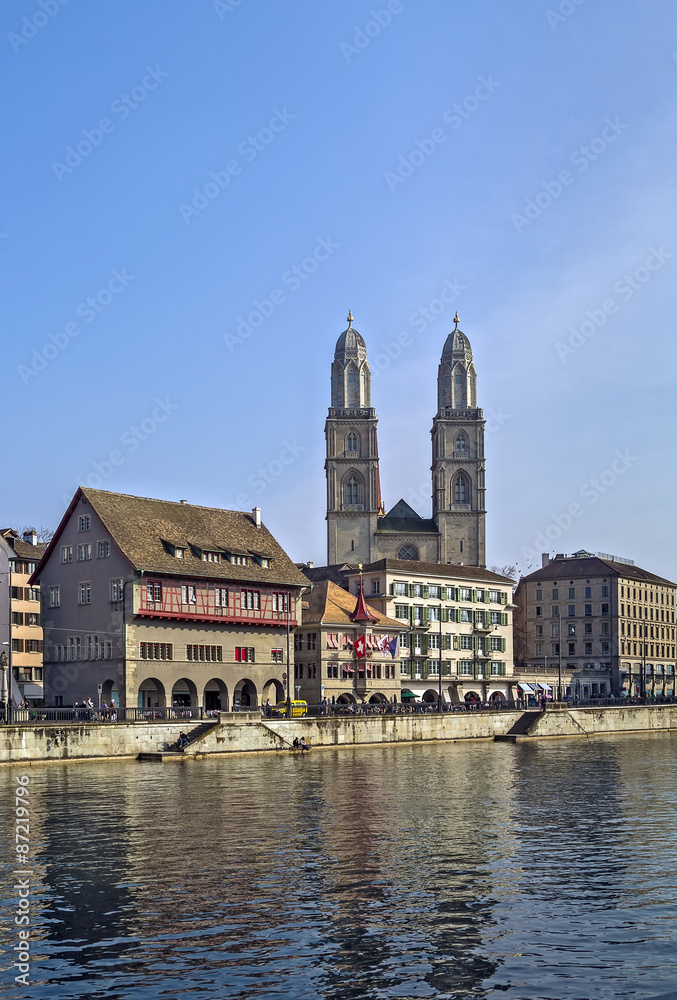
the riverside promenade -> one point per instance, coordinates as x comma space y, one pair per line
244, 732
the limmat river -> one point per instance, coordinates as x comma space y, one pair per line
545, 869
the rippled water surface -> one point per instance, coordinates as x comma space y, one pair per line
537, 870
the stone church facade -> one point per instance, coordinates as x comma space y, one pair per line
358, 528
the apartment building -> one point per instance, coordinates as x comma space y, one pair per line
458, 624
165, 604
26, 640
606, 625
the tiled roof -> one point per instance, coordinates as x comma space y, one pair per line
143, 528
559, 569
403, 518
410, 566
331, 605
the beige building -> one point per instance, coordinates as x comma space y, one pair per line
165, 605
457, 620
608, 625
26, 641
325, 663
358, 527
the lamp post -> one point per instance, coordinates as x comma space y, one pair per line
559, 664
4, 662
439, 679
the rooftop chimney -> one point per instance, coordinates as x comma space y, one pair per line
256, 514
183, 501
30, 536
545, 559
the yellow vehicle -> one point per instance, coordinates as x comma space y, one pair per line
298, 709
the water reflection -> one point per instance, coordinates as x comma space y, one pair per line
536, 870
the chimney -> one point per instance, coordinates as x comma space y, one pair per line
545, 559
183, 501
30, 536
256, 514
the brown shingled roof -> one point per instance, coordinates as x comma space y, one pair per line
141, 527
594, 566
329, 604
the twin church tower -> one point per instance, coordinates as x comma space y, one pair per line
358, 528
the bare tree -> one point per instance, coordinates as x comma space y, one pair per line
44, 534
507, 570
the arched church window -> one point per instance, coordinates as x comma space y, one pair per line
352, 490
352, 441
461, 443
408, 552
461, 490
352, 377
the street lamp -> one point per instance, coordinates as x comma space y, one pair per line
4, 662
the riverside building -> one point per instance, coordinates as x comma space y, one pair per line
26, 639
325, 660
457, 622
165, 605
607, 624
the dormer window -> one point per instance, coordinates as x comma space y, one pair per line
239, 560
179, 553
211, 557
265, 563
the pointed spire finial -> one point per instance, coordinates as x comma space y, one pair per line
456, 319
350, 318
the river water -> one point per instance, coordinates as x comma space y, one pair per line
545, 869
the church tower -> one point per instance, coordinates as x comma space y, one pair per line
353, 487
458, 456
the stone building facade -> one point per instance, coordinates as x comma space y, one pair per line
457, 620
605, 625
358, 527
165, 605
325, 663
26, 639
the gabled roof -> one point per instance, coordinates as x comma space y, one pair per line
403, 518
146, 532
560, 569
24, 550
329, 604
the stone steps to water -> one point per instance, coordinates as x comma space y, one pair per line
519, 728
174, 752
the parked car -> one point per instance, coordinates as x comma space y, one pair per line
298, 709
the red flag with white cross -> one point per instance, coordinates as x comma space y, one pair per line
360, 647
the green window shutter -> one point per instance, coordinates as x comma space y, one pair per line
453, 614
504, 597
425, 615
411, 589
474, 596
445, 614
503, 645
424, 644
426, 591
447, 642
504, 618
392, 589
474, 643
411, 614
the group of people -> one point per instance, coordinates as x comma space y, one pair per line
85, 710
300, 744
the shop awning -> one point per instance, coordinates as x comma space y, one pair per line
544, 686
32, 691
526, 687
408, 694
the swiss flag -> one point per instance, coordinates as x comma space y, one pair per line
360, 647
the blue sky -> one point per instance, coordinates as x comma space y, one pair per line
216, 147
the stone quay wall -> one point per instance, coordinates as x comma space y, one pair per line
247, 732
